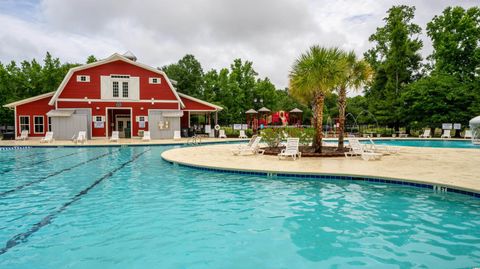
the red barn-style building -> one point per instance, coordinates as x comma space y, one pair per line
114, 94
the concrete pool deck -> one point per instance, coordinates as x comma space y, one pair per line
105, 142
445, 167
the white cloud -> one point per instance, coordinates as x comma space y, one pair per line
271, 33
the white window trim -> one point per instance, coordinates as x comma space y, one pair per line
95, 118
150, 80
123, 90
120, 82
20, 122
79, 78
43, 124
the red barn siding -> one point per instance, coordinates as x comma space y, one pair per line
35, 108
91, 90
101, 111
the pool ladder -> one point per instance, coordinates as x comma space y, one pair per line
194, 140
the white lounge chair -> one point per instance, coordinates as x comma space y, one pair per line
357, 149
382, 149
221, 134
115, 136
426, 134
242, 134
291, 149
23, 135
146, 136
48, 138
253, 147
468, 134
81, 137
177, 135
446, 134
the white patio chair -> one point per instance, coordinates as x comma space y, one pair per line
48, 138
357, 149
426, 134
221, 134
242, 134
291, 149
382, 149
250, 148
146, 136
81, 138
468, 134
23, 135
446, 134
115, 136
177, 135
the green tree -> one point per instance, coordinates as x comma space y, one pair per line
91, 59
396, 61
188, 73
314, 74
455, 38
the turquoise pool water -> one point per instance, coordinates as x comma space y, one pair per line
126, 208
427, 143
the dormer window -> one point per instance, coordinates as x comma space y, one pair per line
83, 78
154, 80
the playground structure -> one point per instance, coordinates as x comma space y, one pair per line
264, 118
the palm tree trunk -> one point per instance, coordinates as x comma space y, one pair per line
342, 104
319, 102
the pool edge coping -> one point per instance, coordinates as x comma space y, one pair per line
339, 176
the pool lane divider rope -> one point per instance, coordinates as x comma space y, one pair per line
53, 174
22, 237
44, 161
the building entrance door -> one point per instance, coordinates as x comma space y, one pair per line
123, 122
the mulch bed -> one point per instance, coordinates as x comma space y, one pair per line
309, 151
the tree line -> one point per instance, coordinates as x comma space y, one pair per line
406, 90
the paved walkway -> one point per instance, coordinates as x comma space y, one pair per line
459, 168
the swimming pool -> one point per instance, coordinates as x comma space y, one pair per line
125, 207
426, 143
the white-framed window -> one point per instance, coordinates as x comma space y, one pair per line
125, 89
38, 125
141, 118
49, 120
98, 118
83, 78
115, 90
120, 76
154, 80
25, 123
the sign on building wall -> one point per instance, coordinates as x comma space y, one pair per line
99, 124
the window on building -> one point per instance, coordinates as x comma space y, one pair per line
38, 125
115, 89
25, 123
83, 78
119, 76
125, 89
49, 124
154, 80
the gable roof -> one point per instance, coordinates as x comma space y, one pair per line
29, 100
217, 108
112, 58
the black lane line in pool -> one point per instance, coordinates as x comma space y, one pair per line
43, 161
53, 174
22, 237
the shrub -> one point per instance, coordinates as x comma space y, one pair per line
271, 136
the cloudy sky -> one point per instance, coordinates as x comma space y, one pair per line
271, 33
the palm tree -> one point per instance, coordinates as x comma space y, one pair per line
357, 74
314, 74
